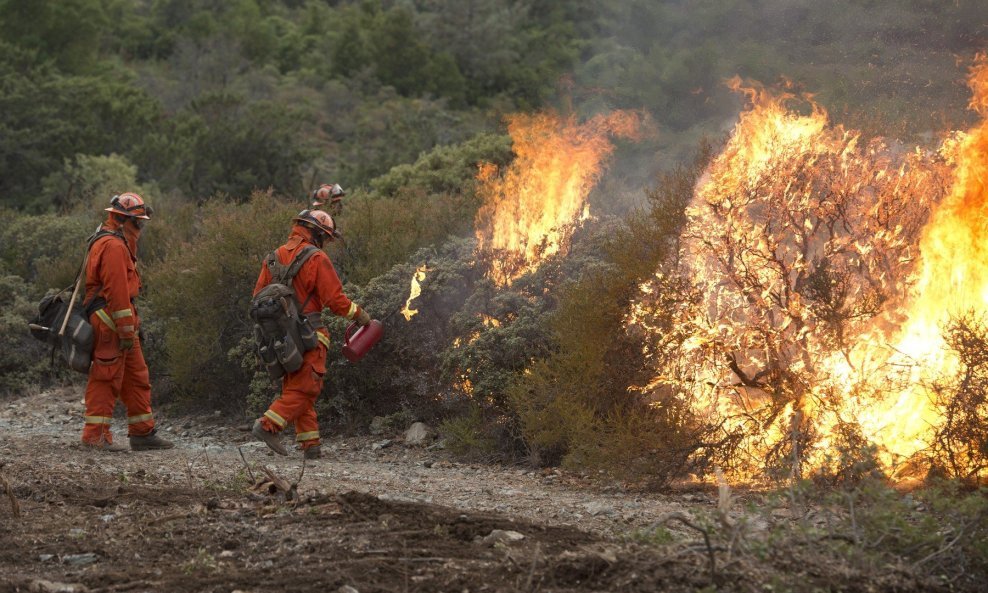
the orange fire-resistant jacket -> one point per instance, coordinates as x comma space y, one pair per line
111, 273
316, 280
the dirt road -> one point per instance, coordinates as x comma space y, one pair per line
369, 517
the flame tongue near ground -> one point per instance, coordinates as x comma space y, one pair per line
557, 163
826, 269
415, 291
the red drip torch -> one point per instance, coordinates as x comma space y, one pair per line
358, 344
357, 341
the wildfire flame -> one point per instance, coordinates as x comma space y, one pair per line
558, 161
825, 269
414, 292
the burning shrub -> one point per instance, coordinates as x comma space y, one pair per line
800, 238
402, 372
960, 446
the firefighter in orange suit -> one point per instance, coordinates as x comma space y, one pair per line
316, 287
118, 370
329, 195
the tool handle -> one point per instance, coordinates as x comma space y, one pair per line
347, 334
75, 292
37, 327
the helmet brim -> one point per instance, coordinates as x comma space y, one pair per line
114, 210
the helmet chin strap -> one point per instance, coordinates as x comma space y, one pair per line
317, 236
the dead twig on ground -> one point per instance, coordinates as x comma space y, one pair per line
247, 465
280, 484
687, 521
14, 507
531, 571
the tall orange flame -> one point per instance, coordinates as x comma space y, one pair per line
557, 163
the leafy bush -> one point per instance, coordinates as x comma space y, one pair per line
86, 183
45, 250
200, 291
430, 200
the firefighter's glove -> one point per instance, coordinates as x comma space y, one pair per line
126, 344
362, 318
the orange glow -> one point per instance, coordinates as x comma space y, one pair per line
415, 291
528, 206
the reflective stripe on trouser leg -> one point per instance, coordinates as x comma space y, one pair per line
307, 429
276, 419
299, 392
135, 392
105, 380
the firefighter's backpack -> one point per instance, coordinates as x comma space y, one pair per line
76, 343
281, 332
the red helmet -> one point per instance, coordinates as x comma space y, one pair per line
318, 219
327, 193
130, 204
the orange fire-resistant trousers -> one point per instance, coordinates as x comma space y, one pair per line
116, 375
296, 404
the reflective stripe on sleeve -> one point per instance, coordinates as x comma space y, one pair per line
121, 313
323, 339
139, 418
353, 310
306, 436
106, 319
274, 417
97, 419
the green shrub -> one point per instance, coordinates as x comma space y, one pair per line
468, 435
200, 291
45, 250
426, 202
86, 184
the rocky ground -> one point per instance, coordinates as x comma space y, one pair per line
376, 514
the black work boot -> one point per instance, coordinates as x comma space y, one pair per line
313, 452
149, 442
271, 439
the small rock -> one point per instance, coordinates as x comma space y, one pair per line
599, 508
43, 586
418, 434
347, 589
426, 464
107, 518
45, 557
381, 445
377, 425
79, 559
227, 554
500, 536
437, 446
